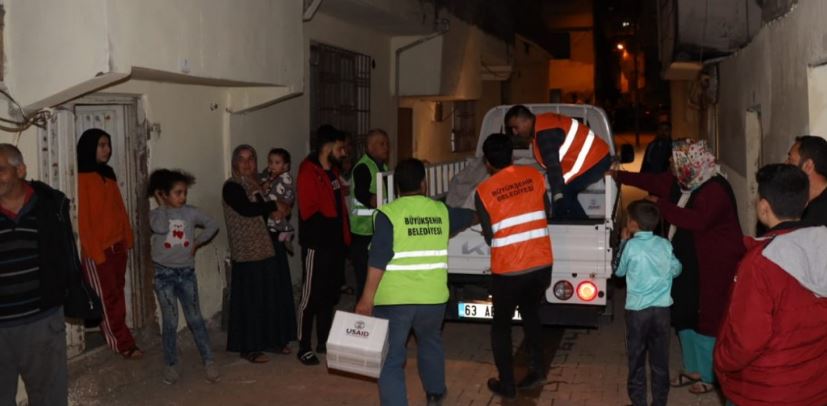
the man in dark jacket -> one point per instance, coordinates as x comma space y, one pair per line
39, 278
324, 235
810, 154
772, 347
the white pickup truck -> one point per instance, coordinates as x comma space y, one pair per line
583, 249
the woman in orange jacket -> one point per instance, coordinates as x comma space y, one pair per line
105, 237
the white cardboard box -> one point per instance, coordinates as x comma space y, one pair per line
357, 344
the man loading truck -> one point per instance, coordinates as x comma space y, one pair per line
572, 155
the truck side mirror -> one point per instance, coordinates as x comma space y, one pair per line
627, 153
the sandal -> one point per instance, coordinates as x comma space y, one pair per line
683, 379
280, 350
255, 357
133, 353
699, 388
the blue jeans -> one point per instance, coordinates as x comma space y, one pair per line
426, 322
647, 333
172, 285
568, 207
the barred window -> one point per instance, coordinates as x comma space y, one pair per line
463, 133
340, 94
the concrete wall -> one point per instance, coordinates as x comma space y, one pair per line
771, 76
447, 66
529, 82
211, 39
685, 119
572, 77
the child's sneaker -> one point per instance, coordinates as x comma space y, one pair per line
170, 375
211, 369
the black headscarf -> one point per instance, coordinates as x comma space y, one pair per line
87, 153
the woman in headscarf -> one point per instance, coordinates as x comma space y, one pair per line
699, 209
253, 302
105, 237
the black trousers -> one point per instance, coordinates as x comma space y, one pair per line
647, 331
508, 293
359, 258
322, 279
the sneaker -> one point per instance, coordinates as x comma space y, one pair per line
321, 349
435, 400
532, 380
211, 370
308, 358
170, 375
504, 391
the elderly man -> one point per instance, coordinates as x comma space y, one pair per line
39, 274
363, 201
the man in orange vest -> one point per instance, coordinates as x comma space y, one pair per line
573, 156
512, 206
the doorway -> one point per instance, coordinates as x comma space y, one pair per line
122, 117
404, 133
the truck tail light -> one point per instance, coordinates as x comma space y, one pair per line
586, 291
563, 290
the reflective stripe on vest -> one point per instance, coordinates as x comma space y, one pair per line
581, 148
516, 238
514, 199
418, 271
361, 218
517, 220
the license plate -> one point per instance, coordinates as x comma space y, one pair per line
480, 311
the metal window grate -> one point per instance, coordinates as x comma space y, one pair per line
340, 93
463, 134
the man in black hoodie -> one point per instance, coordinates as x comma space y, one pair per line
40, 281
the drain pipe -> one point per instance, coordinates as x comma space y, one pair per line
310, 10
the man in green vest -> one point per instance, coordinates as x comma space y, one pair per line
363, 201
407, 281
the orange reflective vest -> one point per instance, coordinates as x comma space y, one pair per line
514, 198
581, 150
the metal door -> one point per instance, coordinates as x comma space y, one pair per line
56, 156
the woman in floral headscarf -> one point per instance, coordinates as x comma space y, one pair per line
699, 208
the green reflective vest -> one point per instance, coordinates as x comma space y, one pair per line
418, 271
361, 216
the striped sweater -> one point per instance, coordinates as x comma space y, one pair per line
20, 275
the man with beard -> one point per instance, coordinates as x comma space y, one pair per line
810, 154
324, 235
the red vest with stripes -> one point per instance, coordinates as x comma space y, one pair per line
581, 150
515, 201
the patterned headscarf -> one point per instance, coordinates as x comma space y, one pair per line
693, 164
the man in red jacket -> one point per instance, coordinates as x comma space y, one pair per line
772, 348
324, 234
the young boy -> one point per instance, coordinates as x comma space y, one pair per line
772, 347
649, 266
277, 185
174, 243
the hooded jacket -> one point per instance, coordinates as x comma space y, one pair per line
320, 215
772, 349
